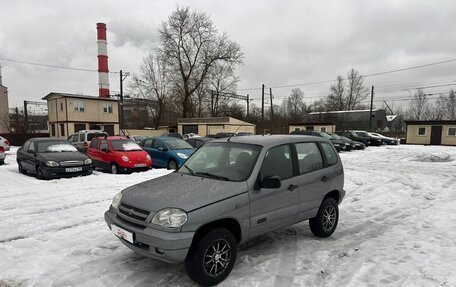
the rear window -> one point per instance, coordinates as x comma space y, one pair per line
330, 153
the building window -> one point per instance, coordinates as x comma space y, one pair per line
61, 107
62, 130
309, 128
107, 108
297, 129
79, 106
452, 131
323, 129
421, 131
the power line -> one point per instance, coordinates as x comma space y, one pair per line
50, 66
365, 76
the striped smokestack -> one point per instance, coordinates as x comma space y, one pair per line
103, 72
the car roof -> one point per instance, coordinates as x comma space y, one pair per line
113, 138
271, 140
46, 139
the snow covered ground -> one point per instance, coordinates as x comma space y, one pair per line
397, 228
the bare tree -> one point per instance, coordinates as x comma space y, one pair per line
152, 84
419, 105
192, 46
346, 94
451, 106
221, 81
295, 104
336, 100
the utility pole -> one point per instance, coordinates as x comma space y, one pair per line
212, 103
372, 103
121, 98
272, 109
25, 117
262, 108
248, 105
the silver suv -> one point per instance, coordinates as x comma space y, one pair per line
82, 139
228, 191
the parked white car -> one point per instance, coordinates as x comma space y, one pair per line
191, 135
4, 143
385, 139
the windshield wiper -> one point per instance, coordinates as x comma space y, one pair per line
189, 169
212, 175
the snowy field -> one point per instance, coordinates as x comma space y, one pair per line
397, 228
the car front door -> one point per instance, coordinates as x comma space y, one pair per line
273, 208
159, 151
311, 180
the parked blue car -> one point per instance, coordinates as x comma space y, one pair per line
167, 152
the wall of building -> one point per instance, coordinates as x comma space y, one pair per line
147, 133
4, 110
414, 138
93, 111
447, 139
215, 125
329, 128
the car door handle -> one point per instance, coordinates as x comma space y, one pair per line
291, 187
324, 178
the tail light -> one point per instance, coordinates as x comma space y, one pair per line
6, 142
2, 149
86, 144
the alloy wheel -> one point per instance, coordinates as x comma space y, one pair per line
329, 217
217, 257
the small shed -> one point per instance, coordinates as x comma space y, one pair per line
211, 126
327, 127
442, 132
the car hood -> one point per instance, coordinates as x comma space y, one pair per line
336, 141
133, 155
62, 156
182, 191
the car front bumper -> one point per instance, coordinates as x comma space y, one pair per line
57, 172
170, 247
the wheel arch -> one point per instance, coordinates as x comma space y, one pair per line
333, 194
230, 224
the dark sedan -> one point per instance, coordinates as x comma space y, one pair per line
354, 137
52, 158
198, 142
338, 144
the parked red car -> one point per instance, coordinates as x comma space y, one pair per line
118, 154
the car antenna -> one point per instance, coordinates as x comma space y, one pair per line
228, 140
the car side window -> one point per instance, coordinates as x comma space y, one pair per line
277, 162
26, 145
104, 145
74, 138
81, 137
158, 144
31, 147
148, 143
94, 143
309, 157
330, 154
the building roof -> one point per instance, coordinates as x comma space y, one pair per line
341, 112
434, 122
390, 118
66, 95
312, 124
212, 120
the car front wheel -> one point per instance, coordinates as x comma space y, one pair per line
21, 168
172, 165
114, 169
324, 224
212, 258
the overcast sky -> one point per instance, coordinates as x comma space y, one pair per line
284, 42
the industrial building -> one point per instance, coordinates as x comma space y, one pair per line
328, 127
70, 113
4, 108
441, 132
353, 120
211, 126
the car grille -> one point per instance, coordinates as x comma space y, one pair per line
71, 163
133, 215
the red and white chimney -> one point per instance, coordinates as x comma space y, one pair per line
103, 72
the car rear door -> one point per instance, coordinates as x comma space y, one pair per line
311, 179
274, 208
94, 153
105, 154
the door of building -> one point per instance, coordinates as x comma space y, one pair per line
436, 135
109, 129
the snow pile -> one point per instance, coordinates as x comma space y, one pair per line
61, 148
130, 146
434, 157
397, 228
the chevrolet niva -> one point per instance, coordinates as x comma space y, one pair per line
228, 191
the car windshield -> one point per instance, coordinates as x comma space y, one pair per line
177, 144
223, 161
55, 146
363, 134
125, 145
326, 136
337, 137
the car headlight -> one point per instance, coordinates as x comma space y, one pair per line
116, 200
88, 161
125, 158
182, 155
52, 163
148, 157
170, 217
347, 144
336, 144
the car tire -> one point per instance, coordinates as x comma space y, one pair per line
218, 244
39, 174
114, 169
172, 165
2, 162
325, 223
21, 169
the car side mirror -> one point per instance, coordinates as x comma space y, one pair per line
271, 182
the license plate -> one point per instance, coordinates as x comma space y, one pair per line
140, 165
122, 233
73, 169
